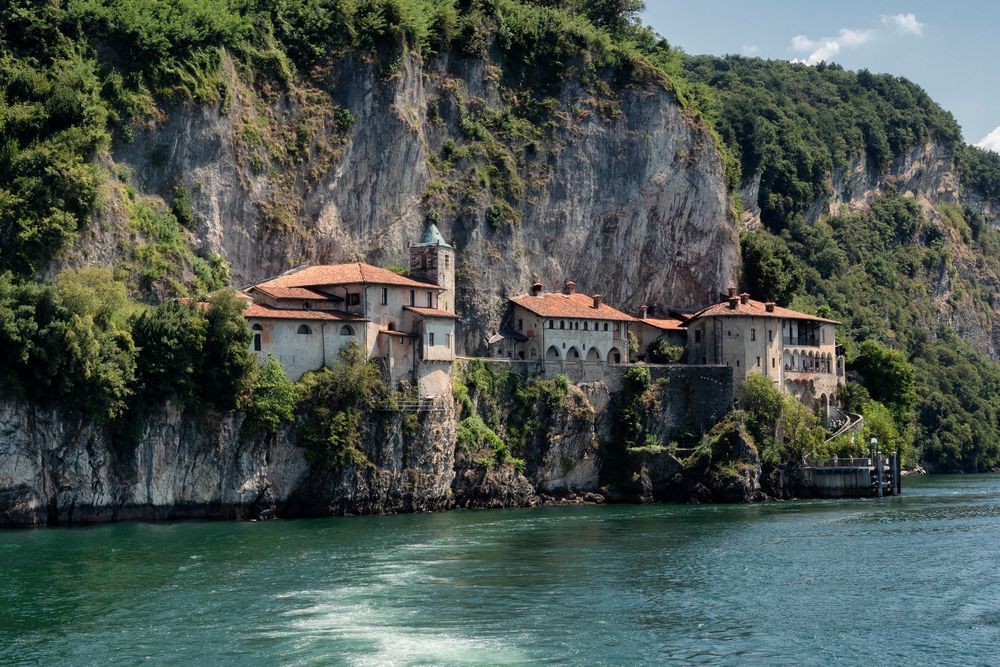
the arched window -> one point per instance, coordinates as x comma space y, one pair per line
257, 329
304, 329
552, 324
562, 324
346, 330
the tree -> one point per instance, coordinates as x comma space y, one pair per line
272, 398
170, 340
888, 376
769, 270
227, 361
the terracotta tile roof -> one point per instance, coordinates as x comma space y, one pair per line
573, 306
755, 309
431, 312
263, 312
343, 274
302, 293
669, 324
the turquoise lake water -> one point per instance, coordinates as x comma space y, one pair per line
901, 580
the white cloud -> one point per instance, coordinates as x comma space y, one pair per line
991, 141
818, 50
749, 49
905, 23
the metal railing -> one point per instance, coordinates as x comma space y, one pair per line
416, 405
845, 462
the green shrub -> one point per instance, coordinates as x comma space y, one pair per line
227, 362
332, 402
662, 352
68, 343
170, 339
272, 398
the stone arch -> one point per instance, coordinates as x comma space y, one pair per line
614, 356
572, 354
593, 355
304, 330
553, 353
786, 360
347, 330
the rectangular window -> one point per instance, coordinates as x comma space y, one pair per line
430, 299
430, 339
605, 326
385, 296
697, 335
753, 336
256, 342
354, 299
447, 340
770, 335
737, 363
552, 324
520, 325
773, 360
413, 298
758, 362
729, 333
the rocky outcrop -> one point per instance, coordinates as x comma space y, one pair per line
56, 470
59, 470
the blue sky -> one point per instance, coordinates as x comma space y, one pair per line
948, 48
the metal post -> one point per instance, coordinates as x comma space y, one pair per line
878, 471
897, 475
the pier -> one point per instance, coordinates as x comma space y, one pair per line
874, 476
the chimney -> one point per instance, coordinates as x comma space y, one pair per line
732, 292
597, 301
744, 298
569, 287
769, 306
536, 288
642, 312
733, 300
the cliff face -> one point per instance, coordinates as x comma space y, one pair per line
59, 471
621, 191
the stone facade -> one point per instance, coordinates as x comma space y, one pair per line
566, 328
798, 352
305, 318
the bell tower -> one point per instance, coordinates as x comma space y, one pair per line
432, 260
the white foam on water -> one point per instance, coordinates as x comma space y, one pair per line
360, 624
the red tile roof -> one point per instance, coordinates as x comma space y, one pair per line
669, 324
343, 274
573, 306
263, 312
755, 309
431, 312
302, 293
